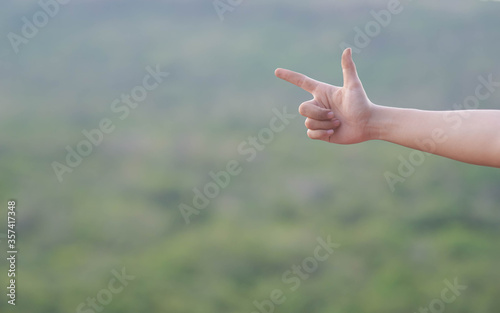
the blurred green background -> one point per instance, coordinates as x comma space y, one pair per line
120, 207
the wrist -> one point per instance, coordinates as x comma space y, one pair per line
379, 123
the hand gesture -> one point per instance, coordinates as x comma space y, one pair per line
335, 114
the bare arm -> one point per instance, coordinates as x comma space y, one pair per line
345, 115
468, 136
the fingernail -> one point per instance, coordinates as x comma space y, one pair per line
330, 114
336, 123
330, 131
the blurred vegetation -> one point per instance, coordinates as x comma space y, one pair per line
120, 207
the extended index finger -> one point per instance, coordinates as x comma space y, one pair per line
299, 80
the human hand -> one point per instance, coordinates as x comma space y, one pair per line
335, 114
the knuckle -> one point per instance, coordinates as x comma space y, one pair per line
308, 123
300, 81
301, 108
315, 135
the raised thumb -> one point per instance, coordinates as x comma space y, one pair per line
351, 79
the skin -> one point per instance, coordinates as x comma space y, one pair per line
345, 115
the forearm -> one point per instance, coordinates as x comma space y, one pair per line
471, 136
